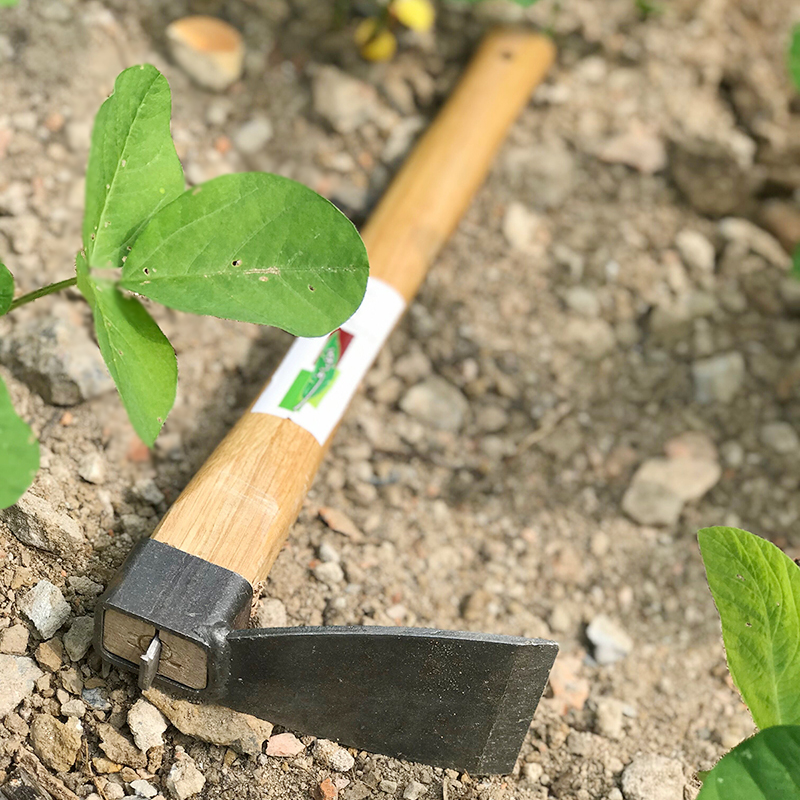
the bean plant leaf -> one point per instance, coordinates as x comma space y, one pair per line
757, 591
794, 57
253, 247
6, 289
764, 767
19, 452
138, 355
133, 167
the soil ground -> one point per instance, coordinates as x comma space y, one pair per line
649, 126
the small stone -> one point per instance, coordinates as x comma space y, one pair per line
638, 147
209, 50
780, 437
755, 240
78, 639
326, 790
436, 402
400, 138
144, 788
284, 745
591, 339
388, 786
491, 419
49, 654
339, 521
522, 228
533, 771
609, 718
271, 613
14, 640
36, 523
327, 552
19, 676
148, 490
718, 379
414, 790
211, 723
582, 301
119, 748
57, 359
82, 585
184, 779
696, 251
686, 477
650, 777
329, 572
253, 135
147, 725
45, 607
331, 755
611, 642
96, 698
92, 468
343, 101
56, 743
73, 708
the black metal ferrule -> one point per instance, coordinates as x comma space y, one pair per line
185, 595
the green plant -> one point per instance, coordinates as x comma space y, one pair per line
253, 247
756, 588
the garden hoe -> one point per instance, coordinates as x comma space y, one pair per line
177, 611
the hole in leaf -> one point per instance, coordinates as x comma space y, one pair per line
311, 288
740, 577
237, 263
748, 625
146, 271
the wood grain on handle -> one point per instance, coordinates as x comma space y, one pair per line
237, 511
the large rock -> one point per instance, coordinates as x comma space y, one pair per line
56, 743
45, 607
650, 777
211, 723
436, 402
36, 523
57, 360
19, 675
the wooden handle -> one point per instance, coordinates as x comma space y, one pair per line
237, 511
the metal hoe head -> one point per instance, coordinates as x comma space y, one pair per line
454, 699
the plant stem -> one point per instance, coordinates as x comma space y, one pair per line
45, 290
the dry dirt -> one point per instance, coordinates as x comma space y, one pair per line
573, 326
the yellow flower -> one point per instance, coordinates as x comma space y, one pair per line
415, 14
376, 43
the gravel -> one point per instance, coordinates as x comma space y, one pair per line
184, 778
147, 725
78, 639
437, 403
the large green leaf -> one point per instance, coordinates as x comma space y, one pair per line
138, 355
252, 247
757, 591
6, 289
19, 452
133, 168
765, 767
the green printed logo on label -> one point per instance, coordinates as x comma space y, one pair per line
311, 386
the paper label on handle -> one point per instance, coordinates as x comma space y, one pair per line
318, 377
